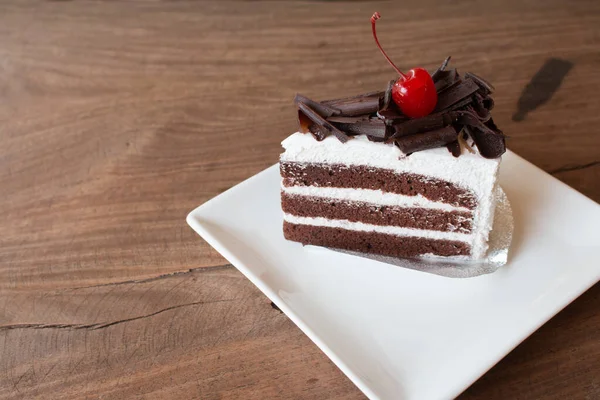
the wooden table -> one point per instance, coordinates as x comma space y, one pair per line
116, 119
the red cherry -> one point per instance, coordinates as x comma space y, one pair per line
414, 93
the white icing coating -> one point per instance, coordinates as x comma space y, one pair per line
470, 171
387, 229
376, 197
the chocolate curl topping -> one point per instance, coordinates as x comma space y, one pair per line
347, 120
489, 145
464, 105
461, 104
391, 117
455, 94
357, 105
371, 127
307, 126
469, 118
427, 140
445, 79
388, 111
322, 109
487, 137
454, 148
323, 126
492, 125
428, 123
304, 123
387, 96
487, 87
482, 113
330, 102
462, 140
488, 103
318, 132
442, 68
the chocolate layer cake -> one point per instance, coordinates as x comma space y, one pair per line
361, 176
370, 197
406, 172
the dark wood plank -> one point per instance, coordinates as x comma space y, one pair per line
117, 118
207, 334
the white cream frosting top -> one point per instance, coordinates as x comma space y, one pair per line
470, 170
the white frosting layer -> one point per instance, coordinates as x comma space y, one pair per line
376, 197
469, 171
387, 229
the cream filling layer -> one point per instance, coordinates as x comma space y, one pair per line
389, 230
376, 197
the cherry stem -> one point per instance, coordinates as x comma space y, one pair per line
374, 18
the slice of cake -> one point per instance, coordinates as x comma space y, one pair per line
407, 172
370, 197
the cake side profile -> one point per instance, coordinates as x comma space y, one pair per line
370, 197
410, 171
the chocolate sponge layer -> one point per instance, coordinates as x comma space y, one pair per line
362, 177
355, 211
372, 242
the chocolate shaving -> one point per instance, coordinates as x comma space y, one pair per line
304, 122
376, 139
318, 132
358, 105
322, 109
323, 125
446, 79
455, 94
380, 133
488, 103
462, 140
454, 148
388, 111
428, 123
307, 126
463, 106
487, 87
470, 118
330, 102
391, 116
347, 120
373, 127
427, 140
487, 137
492, 125
441, 68
482, 112
490, 145
387, 96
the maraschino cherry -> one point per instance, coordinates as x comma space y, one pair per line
414, 93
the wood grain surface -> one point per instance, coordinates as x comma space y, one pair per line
118, 118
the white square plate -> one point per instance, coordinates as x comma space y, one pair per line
403, 334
